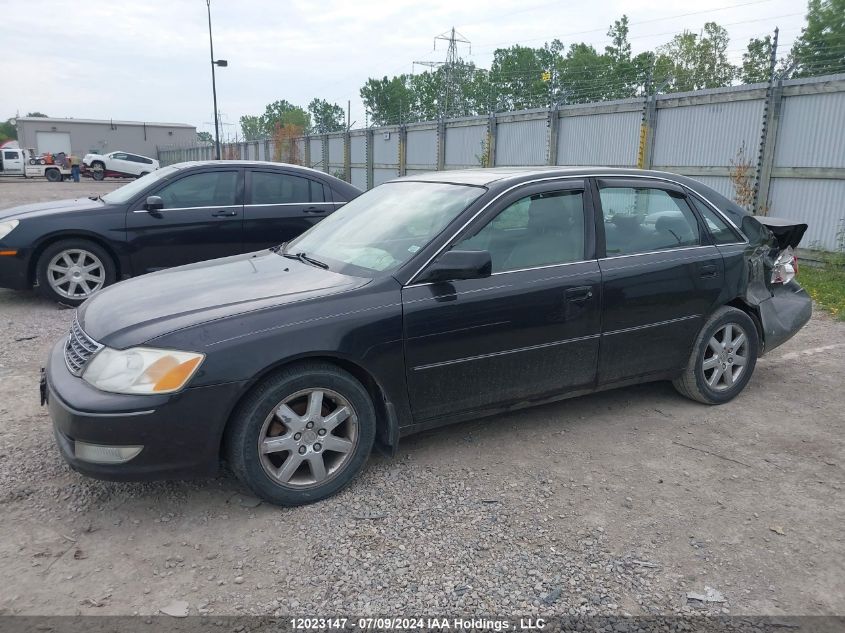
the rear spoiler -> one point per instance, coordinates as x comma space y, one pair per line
787, 232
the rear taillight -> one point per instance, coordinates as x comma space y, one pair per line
786, 267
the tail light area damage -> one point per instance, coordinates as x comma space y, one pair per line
782, 305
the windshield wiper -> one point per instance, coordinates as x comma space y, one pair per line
304, 258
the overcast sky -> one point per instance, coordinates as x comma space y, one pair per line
148, 60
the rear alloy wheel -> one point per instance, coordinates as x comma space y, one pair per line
70, 271
302, 435
723, 359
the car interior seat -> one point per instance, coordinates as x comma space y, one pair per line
555, 233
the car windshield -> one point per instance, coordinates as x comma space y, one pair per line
383, 228
128, 191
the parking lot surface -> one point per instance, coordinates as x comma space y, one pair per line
619, 502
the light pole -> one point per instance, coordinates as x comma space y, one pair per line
223, 64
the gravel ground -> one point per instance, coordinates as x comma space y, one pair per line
620, 502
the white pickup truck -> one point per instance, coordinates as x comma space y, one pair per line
15, 162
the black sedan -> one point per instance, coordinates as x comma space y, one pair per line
426, 301
176, 215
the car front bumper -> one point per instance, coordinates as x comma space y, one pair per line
179, 434
14, 269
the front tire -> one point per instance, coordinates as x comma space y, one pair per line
302, 434
70, 271
98, 171
723, 358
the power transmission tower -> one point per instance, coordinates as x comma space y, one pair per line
449, 80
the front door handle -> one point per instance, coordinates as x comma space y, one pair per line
709, 271
225, 213
579, 295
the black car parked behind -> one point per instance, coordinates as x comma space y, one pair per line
425, 301
176, 215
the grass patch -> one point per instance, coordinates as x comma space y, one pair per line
826, 285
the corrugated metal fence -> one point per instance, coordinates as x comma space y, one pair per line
795, 131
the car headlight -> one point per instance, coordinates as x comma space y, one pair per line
141, 370
7, 227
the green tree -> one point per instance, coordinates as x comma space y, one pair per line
252, 128
699, 61
205, 137
283, 113
37, 114
820, 49
756, 61
387, 100
516, 78
327, 117
8, 132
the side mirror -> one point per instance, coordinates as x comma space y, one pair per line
154, 203
453, 265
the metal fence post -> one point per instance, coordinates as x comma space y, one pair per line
403, 150
645, 152
368, 141
307, 151
347, 156
325, 144
492, 130
768, 139
441, 144
553, 125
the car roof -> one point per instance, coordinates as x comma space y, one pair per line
247, 163
341, 186
488, 176
503, 177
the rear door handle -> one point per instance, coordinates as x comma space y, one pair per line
709, 271
225, 213
313, 210
581, 294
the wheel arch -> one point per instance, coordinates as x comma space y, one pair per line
387, 424
73, 235
753, 312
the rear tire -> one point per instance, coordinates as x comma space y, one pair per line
69, 271
53, 175
98, 171
302, 434
723, 358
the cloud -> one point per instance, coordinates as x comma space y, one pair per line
150, 60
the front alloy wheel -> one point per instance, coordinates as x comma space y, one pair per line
302, 434
69, 271
308, 438
76, 274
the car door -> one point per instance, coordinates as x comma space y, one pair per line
12, 162
281, 205
202, 219
661, 278
119, 162
529, 330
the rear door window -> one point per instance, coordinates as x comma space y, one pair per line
277, 188
645, 219
719, 229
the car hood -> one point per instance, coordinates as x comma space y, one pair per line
137, 310
47, 208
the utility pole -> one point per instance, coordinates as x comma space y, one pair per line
453, 38
222, 63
